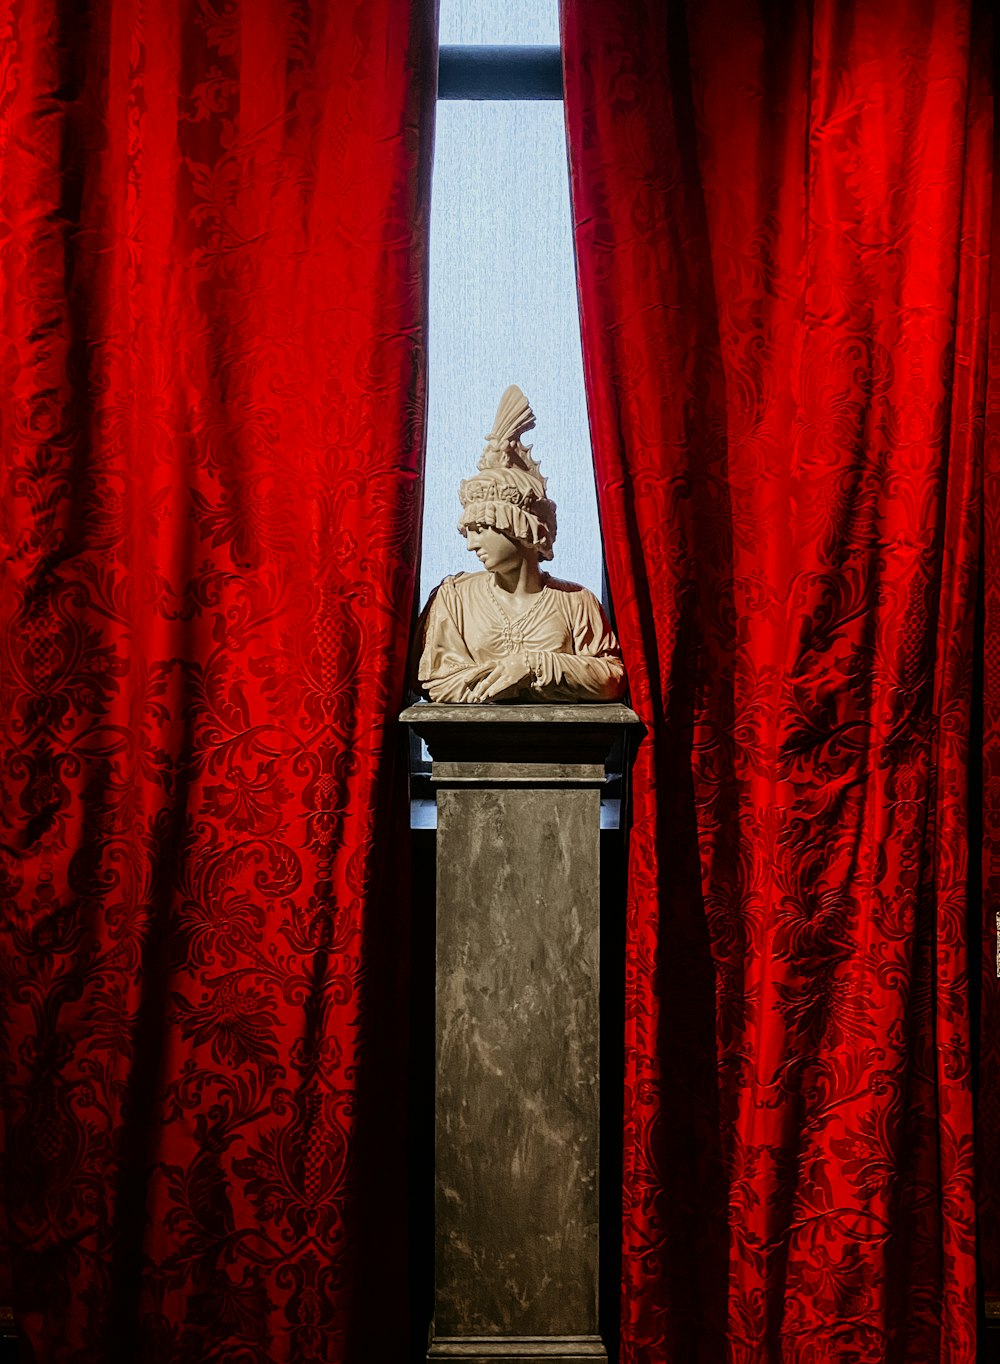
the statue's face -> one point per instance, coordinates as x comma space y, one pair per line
497, 552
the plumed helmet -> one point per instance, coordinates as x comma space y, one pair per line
508, 493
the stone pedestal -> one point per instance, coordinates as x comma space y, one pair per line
517, 988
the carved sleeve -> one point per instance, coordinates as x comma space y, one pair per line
593, 671
445, 669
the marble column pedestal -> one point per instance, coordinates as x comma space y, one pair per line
517, 1008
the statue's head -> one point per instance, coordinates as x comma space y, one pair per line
508, 493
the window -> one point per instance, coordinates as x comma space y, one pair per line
503, 303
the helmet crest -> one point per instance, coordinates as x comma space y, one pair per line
509, 492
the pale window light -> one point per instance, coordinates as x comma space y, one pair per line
503, 306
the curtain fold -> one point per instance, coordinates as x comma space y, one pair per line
783, 221
986, 787
213, 226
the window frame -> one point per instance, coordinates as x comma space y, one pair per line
482, 71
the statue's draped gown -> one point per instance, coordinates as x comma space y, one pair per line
569, 646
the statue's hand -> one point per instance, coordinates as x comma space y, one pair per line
509, 675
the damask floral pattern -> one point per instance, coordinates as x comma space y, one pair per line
988, 1111
213, 225
783, 231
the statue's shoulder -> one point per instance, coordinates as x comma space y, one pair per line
561, 585
456, 587
575, 593
462, 583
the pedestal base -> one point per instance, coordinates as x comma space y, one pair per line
519, 1349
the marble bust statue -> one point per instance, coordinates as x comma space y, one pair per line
513, 632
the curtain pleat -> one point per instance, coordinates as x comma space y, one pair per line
213, 223
986, 793
783, 223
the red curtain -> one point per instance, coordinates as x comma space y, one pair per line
783, 228
988, 1112
213, 233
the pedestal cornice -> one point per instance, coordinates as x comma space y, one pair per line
503, 736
